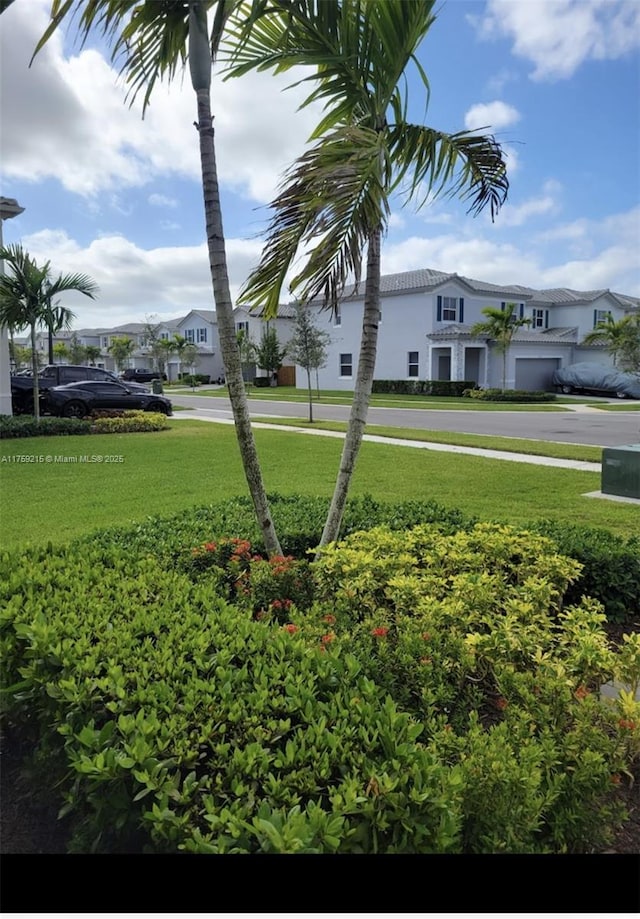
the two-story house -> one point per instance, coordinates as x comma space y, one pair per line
425, 331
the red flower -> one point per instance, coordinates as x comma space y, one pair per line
581, 692
210, 546
329, 618
629, 725
615, 779
327, 638
501, 703
290, 627
380, 632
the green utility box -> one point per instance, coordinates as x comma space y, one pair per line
621, 471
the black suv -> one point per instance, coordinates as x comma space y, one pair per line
142, 375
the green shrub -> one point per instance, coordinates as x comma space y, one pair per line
436, 697
610, 566
422, 387
27, 426
130, 422
509, 395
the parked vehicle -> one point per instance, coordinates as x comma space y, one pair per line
77, 400
598, 379
57, 375
142, 375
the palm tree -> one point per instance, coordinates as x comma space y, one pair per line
55, 317
121, 350
155, 39
26, 292
336, 198
500, 326
622, 338
92, 353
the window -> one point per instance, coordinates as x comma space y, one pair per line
413, 364
105, 341
600, 316
201, 335
337, 316
449, 309
242, 327
346, 365
540, 319
164, 336
189, 335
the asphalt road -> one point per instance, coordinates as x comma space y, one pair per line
601, 429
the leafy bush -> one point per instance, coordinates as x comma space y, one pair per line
261, 382
422, 387
436, 697
610, 565
509, 395
130, 422
27, 426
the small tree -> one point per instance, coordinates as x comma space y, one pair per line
622, 338
77, 352
247, 349
60, 352
190, 358
269, 354
121, 350
308, 347
500, 326
92, 354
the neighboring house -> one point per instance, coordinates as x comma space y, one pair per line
426, 318
199, 328
254, 326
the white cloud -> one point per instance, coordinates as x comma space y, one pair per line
612, 262
557, 36
162, 201
66, 118
134, 281
515, 215
491, 115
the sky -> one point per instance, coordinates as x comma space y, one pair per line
118, 197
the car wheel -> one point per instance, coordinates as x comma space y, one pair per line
74, 409
621, 395
566, 389
157, 407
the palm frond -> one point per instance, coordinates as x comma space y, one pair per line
331, 200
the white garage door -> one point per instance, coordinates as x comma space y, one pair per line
534, 373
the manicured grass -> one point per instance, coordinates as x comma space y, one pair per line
620, 407
582, 452
196, 463
381, 400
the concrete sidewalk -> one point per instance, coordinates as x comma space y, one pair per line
581, 465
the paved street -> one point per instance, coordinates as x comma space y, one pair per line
598, 428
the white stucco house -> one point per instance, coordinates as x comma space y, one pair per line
426, 318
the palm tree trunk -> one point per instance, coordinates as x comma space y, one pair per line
362, 392
34, 369
226, 325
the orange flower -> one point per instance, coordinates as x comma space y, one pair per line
425, 660
380, 632
581, 692
501, 703
629, 725
329, 618
327, 638
290, 627
615, 779
426, 636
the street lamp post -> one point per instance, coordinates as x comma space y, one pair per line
9, 207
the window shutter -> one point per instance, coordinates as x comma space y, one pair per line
522, 310
439, 314
503, 306
546, 319
595, 318
461, 316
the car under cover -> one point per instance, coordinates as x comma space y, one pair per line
598, 378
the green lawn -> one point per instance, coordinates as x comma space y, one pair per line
582, 452
381, 400
195, 463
